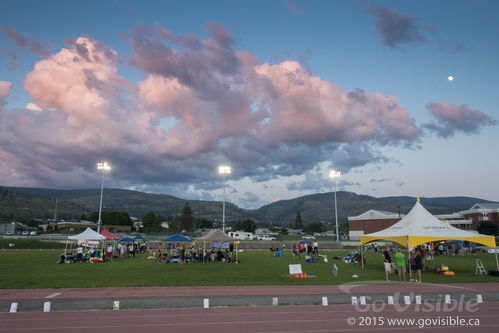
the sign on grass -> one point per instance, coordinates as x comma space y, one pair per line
295, 269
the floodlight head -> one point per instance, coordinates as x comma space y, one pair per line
334, 174
103, 166
224, 170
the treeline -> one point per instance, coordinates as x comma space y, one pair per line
110, 218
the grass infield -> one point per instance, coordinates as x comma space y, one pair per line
24, 269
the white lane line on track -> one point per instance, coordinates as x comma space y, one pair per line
53, 295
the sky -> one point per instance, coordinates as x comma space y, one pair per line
399, 96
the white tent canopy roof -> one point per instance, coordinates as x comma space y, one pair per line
88, 234
420, 227
215, 235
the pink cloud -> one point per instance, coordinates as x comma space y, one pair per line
79, 81
4, 93
201, 101
305, 108
295, 106
452, 118
4, 89
292, 7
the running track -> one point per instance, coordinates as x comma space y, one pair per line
287, 319
200, 291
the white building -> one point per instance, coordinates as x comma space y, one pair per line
457, 220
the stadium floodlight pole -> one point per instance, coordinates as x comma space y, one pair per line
102, 167
335, 174
224, 170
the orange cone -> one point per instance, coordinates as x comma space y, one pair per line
301, 275
305, 276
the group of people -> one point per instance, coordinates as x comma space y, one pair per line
416, 262
91, 254
181, 254
307, 248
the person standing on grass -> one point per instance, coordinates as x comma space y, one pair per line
131, 252
316, 247
400, 261
412, 263
387, 260
295, 252
79, 254
419, 266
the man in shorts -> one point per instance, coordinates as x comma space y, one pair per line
400, 261
387, 260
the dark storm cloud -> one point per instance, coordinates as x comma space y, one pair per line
25, 42
13, 64
396, 28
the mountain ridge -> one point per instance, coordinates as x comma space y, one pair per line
317, 207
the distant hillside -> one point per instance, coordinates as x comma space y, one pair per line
24, 205
38, 202
320, 207
138, 203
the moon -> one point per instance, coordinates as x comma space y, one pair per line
450, 78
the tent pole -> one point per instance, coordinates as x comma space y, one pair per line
497, 262
362, 255
409, 259
204, 250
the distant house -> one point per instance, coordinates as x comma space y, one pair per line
7, 227
262, 231
457, 220
482, 212
295, 232
70, 227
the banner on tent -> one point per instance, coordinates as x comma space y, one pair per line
220, 245
88, 243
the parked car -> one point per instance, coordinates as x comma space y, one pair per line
309, 237
265, 237
33, 233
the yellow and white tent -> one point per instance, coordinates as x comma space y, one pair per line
420, 227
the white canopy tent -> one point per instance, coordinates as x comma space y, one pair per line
420, 227
87, 235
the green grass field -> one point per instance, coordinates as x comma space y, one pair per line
30, 244
38, 269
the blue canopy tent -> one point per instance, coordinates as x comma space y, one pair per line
127, 240
178, 238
